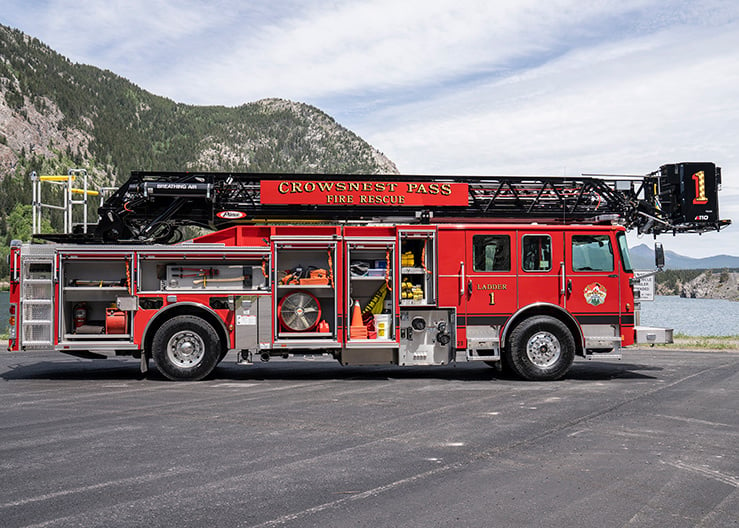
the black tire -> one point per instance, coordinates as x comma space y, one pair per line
541, 349
223, 355
186, 348
500, 366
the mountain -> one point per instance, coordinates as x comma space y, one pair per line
642, 258
707, 278
56, 115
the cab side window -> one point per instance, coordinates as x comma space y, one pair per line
537, 253
491, 252
592, 253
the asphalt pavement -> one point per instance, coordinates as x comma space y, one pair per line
648, 441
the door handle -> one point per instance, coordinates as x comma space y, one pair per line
469, 287
461, 277
562, 288
569, 287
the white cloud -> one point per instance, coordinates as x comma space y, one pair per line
117, 29
383, 45
578, 110
465, 86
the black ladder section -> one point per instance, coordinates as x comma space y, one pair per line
151, 207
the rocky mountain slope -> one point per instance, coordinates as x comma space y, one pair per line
708, 284
55, 114
712, 277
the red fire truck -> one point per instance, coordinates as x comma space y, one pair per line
523, 273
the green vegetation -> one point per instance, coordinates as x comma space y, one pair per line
683, 342
711, 283
17, 227
670, 282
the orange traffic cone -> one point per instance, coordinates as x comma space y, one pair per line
357, 330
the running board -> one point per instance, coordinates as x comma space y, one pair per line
483, 349
603, 355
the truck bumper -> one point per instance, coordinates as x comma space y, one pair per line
648, 335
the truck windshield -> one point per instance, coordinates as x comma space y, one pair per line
623, 249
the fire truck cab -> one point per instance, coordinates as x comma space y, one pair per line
527, 296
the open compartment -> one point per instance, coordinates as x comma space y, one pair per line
175, 273
370, 290
305, 300
417, 266
96, 298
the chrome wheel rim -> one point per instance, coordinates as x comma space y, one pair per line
543, 349
185, 349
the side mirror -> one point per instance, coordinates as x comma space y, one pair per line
659, 255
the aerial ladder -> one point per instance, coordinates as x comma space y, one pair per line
152, 206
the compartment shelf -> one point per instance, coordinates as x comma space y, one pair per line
317, 344
372, 343
95, 337
90, 294
303, 335
413, 271
303, 286
96, 288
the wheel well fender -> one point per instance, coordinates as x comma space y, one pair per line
185, 308
552, 310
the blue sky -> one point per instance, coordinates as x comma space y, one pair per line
447, 87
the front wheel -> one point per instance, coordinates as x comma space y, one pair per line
541, 348
186, 348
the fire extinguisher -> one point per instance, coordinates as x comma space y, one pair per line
80, 314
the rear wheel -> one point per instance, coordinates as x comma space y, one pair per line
186, 348
541, 348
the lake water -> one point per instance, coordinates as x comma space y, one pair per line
697, 317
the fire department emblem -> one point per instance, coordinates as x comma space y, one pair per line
595, 294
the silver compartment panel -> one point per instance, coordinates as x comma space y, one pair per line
421, 347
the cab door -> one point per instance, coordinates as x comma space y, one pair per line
490, 282
541, 268
593, 284
477, 277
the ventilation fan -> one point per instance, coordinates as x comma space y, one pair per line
299, 312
